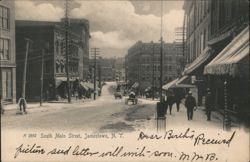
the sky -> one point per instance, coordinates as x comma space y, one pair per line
115, 25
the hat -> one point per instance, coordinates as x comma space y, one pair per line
189, 92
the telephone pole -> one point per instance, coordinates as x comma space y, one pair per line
99, 76
161, 53
95, 52
41, 91
153, 73
28, 41
66, 47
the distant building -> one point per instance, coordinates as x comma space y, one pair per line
120, 69
7, 51
143, 64
106, 66
50, 37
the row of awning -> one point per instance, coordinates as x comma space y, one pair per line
85, 85
233, 60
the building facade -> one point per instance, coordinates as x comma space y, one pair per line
143, 64
213, 29
198, 53
120, 69
7, 51
48, 38
105, 69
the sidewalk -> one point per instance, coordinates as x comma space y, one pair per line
53, 103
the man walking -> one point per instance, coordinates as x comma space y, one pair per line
208, 104
190, 103
177, 100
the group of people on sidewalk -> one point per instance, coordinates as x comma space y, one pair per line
190, 104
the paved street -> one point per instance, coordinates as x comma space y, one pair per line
104, 114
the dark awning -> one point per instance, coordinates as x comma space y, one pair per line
59, 80
198, 62
233, 60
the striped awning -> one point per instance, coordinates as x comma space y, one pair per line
233, 60
198, 62
89, 85
135, 85
178, 83
170, 84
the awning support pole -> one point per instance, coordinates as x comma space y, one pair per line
226, 119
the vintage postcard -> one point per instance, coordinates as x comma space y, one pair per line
124, 80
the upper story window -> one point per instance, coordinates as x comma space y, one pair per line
4, 49
4, 17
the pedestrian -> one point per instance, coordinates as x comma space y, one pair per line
177, 100
208, 104
190, 103
170, 101
22, 105
1, 105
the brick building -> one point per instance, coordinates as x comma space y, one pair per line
7, 51
218, 49
106, 66
50, 38
143, 64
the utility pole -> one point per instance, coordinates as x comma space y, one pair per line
153, 73
22, 101
161, 118
66, 48
28, 41
99, 76
161, 54
95, 53
41, 92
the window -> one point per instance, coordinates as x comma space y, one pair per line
62, 48
57, 47
57, 66
6, 84
4, 49
62, 66
4, 17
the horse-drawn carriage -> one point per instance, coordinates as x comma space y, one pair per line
132, 98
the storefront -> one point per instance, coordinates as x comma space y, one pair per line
228, 75
195, 71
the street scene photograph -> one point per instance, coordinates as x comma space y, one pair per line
148, 74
